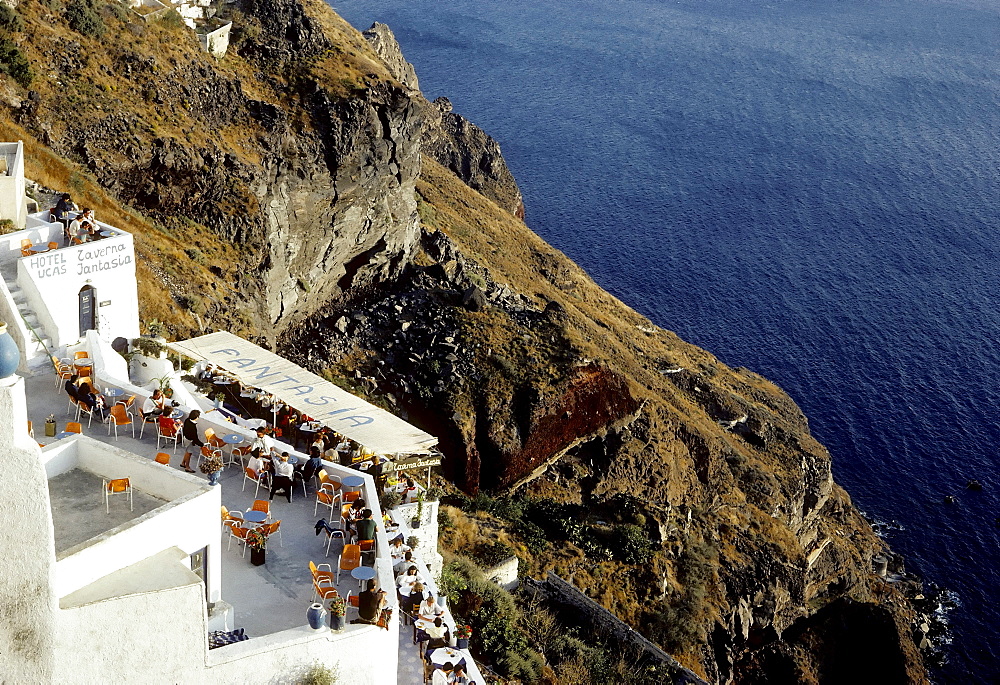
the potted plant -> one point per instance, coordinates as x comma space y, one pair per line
257, 542
412, 542
449, 584
462, 635
415, 521
219, 398
338, 613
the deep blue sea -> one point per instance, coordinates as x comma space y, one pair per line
809, 189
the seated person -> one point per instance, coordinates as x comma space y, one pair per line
283, 472
397, 548
370, 604
71, 389
437, 634
154, 404
258, 463
85, 233
408, 580
91, 400
405, 563
169, 426
208, 374
365, 526
429, 609
442, 676
459, 676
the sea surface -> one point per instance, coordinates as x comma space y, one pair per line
809, 189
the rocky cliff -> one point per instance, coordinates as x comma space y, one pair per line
302, 192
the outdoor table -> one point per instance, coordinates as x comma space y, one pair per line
176, 413
113, 392
420, 626
353, 482
442, 655
253, 516
38, 249
363, 573
83, 364
108, 234
64, 434
233, 438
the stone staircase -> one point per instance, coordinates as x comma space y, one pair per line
41, 347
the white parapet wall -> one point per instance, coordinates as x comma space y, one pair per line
216, 42
53, 281
13, 202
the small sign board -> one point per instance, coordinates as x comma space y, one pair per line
105, 303
411, 463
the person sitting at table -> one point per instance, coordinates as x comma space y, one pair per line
437, 634
409, 491
370, 604
193, 438
309, 469
262, 442
365, 526
258, 463
429, 609
409, 579
84, 232
283, 472
91, 399
397, 549
71, 229
442, 676
459, 677
63, 206
406, 562
208, 374
154, 404
71, 389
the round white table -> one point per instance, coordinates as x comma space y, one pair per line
442, 655
38, 249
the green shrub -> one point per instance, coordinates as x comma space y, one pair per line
493, 553
320, 674
83, 17
14, 63
631, 544
196, 255
10, 21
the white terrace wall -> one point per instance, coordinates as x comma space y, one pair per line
52, 281
188, 521
13, 204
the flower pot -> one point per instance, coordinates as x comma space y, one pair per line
337, 622
10, 355
258, 555
461, 643
314, 614
414, 523
442, 600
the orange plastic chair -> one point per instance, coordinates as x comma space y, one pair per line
238, 532
258, 478
327, 498
81, 354
26, 247
323, 588
120, 417
163, 458
74, 427
351, 496
118, 486
262, 505
31, 431
270, 529
53, 246
167, 430
350, 559
213, 439
318, 572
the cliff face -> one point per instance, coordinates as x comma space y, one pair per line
302, 191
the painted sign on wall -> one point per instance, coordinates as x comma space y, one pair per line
80, 261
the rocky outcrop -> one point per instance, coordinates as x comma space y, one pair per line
451, 139
385, 45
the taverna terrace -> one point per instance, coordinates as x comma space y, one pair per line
146, 583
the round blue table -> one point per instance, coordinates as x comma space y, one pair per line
353, 482
254, 516
64, 434
363, 573
113, 392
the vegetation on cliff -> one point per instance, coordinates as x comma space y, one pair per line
281, 193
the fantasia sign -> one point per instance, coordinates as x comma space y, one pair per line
371, 426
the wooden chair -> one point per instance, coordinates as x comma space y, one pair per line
118, 486
120, 417
213, 439
349, 559
258, 478
74, 427
162, 458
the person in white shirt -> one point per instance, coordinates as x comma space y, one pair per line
429, 609
154, 404
282, 480
262, 443
257, 462
442, 676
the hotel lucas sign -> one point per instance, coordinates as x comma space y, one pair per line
84, 260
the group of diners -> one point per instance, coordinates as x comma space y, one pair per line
80, 390
282, 469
